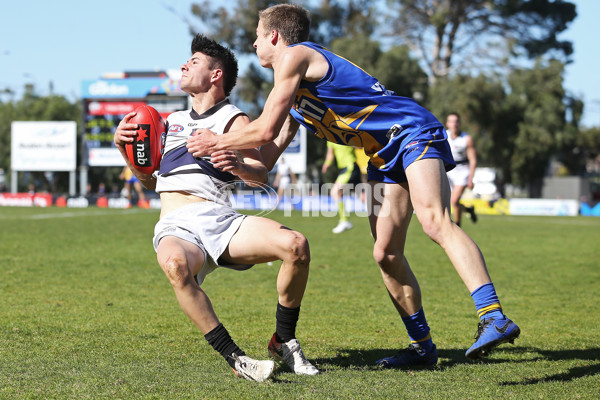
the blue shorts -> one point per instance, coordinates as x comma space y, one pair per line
133, 179
419, 148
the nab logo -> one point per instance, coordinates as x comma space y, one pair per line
141, 147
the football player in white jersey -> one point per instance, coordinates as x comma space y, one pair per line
465, 158
198, 231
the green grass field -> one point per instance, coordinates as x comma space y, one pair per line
86, 313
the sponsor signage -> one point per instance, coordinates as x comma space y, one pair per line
26, 199
113, 107
129, 88
105, 156
43, 146
295, 153
543, 207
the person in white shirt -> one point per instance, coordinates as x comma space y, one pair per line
465, 157
199, 231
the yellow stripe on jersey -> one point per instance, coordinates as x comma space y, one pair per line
337, 128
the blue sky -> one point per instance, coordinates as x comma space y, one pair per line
66, 42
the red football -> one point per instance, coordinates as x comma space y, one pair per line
146, 150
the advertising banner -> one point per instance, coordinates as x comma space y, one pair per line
26, 199
129, 88
295, 153
43, 146
556, 207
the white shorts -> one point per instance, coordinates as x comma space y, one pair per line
284, 181
459, 176
208, 225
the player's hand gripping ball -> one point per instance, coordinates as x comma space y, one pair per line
146, 150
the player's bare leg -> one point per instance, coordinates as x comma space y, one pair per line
390, 212
457, 192
274, 242
181, 260
259, 240
337, 195
430, 195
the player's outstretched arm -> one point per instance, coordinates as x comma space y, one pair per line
271, 151
246, 164
290, 71
125, 135
329, 158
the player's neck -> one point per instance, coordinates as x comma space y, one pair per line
205, 101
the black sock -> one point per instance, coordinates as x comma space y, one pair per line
286, 323
220, 340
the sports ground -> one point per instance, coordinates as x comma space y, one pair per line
86, 313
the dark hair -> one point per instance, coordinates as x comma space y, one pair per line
454, 113
221, 57
291, 21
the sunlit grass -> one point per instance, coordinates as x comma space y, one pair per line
87, 313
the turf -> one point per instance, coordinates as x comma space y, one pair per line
86, 313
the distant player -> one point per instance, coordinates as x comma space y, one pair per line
465, 157
283, 178
409, 156
198, 230
131, 182
363, 164
348, 174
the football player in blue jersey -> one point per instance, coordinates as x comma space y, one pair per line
409, 157
199, 231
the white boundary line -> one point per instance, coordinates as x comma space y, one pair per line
71, 214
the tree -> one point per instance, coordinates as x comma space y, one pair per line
517, 126
7, 116
236, 21
441, 32
588, 142
538, 96
480, 101
395, 68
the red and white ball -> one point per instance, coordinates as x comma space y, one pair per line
146, 150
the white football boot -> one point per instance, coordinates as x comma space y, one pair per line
291, 353
342, 226
251, 369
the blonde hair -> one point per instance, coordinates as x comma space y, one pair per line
291, 21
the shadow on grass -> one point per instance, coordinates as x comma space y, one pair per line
365, 360
562, 355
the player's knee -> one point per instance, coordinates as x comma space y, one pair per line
433, 228
297, 249
177, 271
384, 257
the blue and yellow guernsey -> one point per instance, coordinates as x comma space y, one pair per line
351, 107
